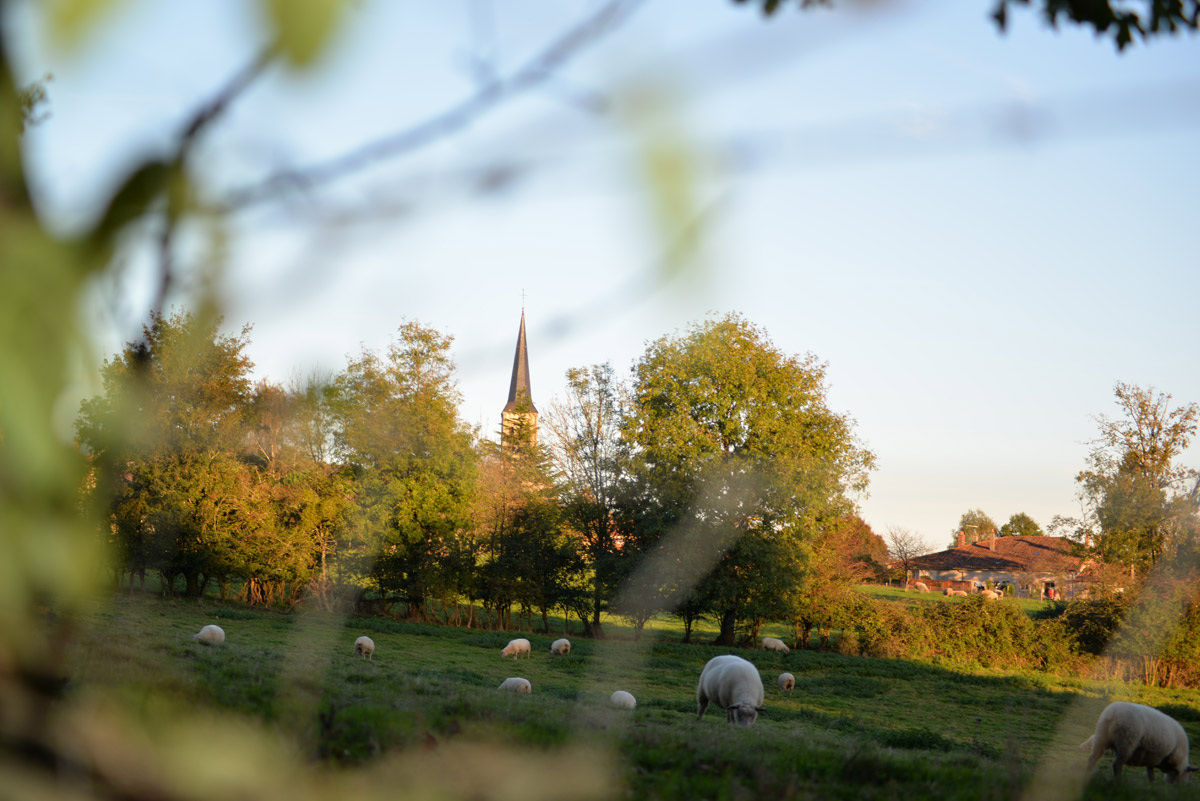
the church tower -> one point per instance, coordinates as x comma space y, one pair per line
518, 421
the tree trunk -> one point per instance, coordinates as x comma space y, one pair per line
728, 619
193, 585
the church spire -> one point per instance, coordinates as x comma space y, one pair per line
519, 413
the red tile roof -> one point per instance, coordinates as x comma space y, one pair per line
1017, 554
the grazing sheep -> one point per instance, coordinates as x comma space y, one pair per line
991, 595
364, 647
1140, 736
210, 635
623, 699
921, 586
773, 644
787, 682
516, 647
733, 684
560, 647
948, 591
953, 593
516, 685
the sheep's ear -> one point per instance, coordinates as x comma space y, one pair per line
763, 709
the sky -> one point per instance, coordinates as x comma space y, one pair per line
978, 233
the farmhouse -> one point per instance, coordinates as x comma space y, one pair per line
1030, 565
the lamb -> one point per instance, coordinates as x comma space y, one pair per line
210, 635
733, 684
516, 685
623, 699
1140, 736
364, 647
516, 647
773, 644
787, 682
560, 647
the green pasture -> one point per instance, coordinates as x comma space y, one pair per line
854, 728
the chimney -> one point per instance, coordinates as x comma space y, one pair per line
962, 539
992, 541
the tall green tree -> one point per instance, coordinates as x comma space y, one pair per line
719, 413
590, 458
975, 525
1138, 498
1020, 524
163, 437
412, 462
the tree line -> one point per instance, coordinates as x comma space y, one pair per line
714, 483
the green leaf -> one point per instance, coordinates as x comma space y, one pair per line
303, 28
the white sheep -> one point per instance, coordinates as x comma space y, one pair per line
921, 586
1140, 736
787, 682
516, 685
774, 644
623, 699
733, 684
365, 647
991, 595
516, 647
211, 635
560, 647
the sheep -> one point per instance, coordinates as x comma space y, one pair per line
365, 647
773, 644
991, 595
1140, 736
623, 699
787, 682
921, 586
733, 684
560, 647
950, 592
516, 647
516, 685
210, 635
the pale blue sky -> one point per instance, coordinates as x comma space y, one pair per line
980, 234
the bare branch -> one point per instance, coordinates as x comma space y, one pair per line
536, 71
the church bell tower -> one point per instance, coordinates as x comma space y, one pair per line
518, 421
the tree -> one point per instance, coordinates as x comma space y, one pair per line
904, 546
590, 458
412, 461
1136, 497
1102, 16
732, 437
1022, 525
163, 438
975, 525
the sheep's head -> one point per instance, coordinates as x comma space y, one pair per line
743, 714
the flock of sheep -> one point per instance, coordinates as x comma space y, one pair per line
1138, 735
991, 595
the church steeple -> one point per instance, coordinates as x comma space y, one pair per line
519, 418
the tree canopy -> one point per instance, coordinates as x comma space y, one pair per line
732, 438
1123, 21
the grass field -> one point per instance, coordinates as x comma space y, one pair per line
854, 728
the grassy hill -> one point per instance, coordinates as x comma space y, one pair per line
854, 728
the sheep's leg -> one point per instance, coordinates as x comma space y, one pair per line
703, 700
1150, 773
1098, 749
1118, 763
